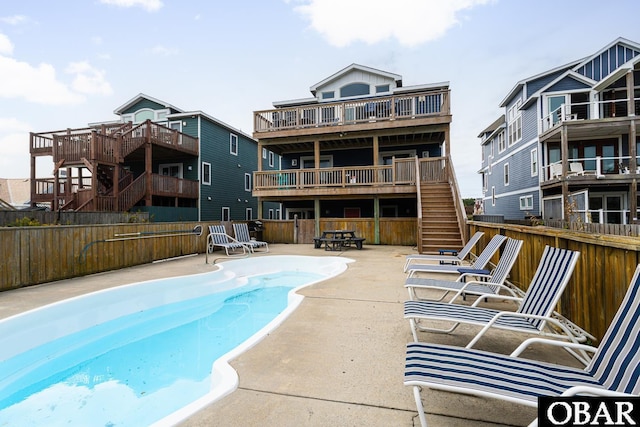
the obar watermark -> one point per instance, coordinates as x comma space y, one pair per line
588, 411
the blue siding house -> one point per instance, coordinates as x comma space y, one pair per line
567, 145
156, 158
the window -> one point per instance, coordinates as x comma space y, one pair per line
501, 146
233, 144
264, 153
506, 174
354, 89
206, 173
171, 169
382, 88
247, 182
534, 162
485, 182
271, 214
526, 202
493, 196
328, 95
248, 214
271, 156
515, 123
226, 213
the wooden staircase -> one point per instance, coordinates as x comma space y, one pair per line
439, 228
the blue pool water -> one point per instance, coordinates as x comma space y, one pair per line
136, 369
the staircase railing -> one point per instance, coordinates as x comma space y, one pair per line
457, 200
419, 196
129, 196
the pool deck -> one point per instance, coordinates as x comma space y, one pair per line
338, 360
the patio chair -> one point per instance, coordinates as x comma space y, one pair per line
241, 231
613, 370
478, 265
454, 257
533, 315
218, 237
491, 283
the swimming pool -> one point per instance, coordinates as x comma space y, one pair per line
142, 354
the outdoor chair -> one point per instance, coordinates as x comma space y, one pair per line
218, 237
478, 265
614, 369
533, 315
241, 231
491, 283
454, 257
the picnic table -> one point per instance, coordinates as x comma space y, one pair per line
336, 240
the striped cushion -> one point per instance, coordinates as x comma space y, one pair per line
449, 285
463, 313
480, 372
479, 263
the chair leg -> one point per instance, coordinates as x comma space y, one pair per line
421, 415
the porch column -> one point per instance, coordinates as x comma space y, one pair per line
116, 187
260, 148
631, 108
376, 220
316, 215
376, 150
316, 161
260, 156
564, 153
633, 167
447, 135
148, 170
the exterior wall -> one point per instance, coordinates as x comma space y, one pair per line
143, 103
227, 187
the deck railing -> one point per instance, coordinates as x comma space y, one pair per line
590, 111
410, 106
401, 171
592, 166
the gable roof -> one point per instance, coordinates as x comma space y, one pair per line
15, 191
352, 67
139, 98
497, 124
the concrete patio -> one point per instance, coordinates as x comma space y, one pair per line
338, 360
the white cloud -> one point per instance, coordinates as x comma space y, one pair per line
6, 47
410, 22
35, 84
149, 5
14, 142
14, 20
88, 80
163, 50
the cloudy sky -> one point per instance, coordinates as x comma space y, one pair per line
75, 63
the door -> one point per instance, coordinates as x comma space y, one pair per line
554, 108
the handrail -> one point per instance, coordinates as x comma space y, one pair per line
419, 203
405, 106
457, 198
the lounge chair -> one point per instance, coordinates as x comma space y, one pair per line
241, 231
218, 237
451, 258
478, 265
613, 370
532, 316
491, 283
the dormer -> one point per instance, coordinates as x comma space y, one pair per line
356, 81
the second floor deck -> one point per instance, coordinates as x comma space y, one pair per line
414, 109
396, 178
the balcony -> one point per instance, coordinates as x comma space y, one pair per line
608, 114
415, 109
397, 178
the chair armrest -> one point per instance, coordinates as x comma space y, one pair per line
565, 344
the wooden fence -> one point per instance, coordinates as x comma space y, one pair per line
33, 255
72, 218
391, 231
600, 280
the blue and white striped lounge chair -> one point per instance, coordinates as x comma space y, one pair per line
483, 284
478, 264
613, 370
241, 231
218, 237
453, 259
532, 316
